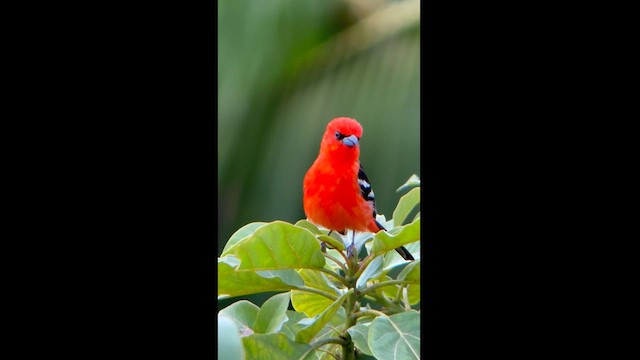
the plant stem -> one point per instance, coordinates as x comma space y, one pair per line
335, 275
370, 298
369, 312
367, 260
398, 294
336, 261
393, 307
348, 348
386, 283
329, 353
346, 260
322, 343
317, 291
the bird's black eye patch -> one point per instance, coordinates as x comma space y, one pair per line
339, 136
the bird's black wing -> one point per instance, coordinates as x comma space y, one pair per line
367, 193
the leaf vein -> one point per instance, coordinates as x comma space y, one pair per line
403, 338
286, 239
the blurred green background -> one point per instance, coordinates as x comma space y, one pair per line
285, 69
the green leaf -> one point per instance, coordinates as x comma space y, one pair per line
339, 317
396, 336
310, 304
286, 276
337, 322
277, 246
383, 242
243, 311
276, 346
313, 325
364, 356
293, 325
414, 180
230, 260
318, 280
336, 235
360, 239
388, 224
332, 241
309, 226
236, 283
290, 327
405, 205
334, 349
414, 249
272, 314
412, 273
392, 259
242, 233
333, 266
372, 271
313, 304
359, 335
391, 290
229, 342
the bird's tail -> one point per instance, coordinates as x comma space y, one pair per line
401, 250
404, 253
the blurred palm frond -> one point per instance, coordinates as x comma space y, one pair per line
288, 67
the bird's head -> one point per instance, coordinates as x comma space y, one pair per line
343, 136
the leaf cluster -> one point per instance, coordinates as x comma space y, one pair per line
367, 304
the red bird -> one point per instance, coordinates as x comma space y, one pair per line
337, 192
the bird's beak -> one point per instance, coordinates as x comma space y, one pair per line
350, 141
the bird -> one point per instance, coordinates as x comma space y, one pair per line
336, 191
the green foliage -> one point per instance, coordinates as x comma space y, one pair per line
383, 241
312, 304
229, 342
313, 325
272, 315
413, 181
360, 336
235, 283
242, 233
279, 246
243, 312
407, 203
370, 303
276, 346
396, 336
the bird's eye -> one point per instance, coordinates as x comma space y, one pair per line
338, 135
